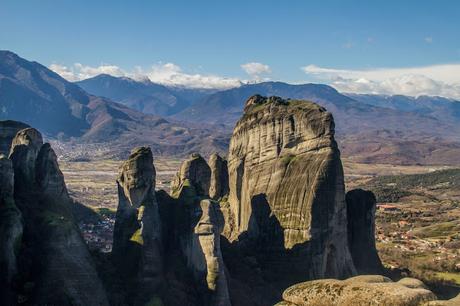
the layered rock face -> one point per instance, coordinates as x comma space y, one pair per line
8, 130
137, 249
194, 170
358, 291
361, 206
218, 186
54, 257
11, 229
287, 188
199, 227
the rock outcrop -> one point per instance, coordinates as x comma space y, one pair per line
198, 229
287, 187
8, 129
361, 206
11, 229
219, 176
137, 248
54, 259
194, 170
358, 291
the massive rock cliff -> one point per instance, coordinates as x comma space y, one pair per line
11, 229
53, 258
137, 249
287, 188
361, 231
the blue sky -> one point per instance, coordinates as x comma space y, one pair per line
292, 41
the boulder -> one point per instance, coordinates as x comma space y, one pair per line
284, 165
366, 290
193, 170
219, 177
137, 247
361, 206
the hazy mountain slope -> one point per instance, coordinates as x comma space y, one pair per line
144, 96
438, 107
33, 94
351, 116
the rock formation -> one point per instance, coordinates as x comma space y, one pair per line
200, 223
194, 170
284, 164
361, 231
11, 229
219, 176
8, 129
358, 291
54, 259
137, 249
201, 247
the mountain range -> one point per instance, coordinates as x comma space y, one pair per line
122, 112
31, 93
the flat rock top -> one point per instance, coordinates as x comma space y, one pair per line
360, 290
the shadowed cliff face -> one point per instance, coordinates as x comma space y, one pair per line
137, 249
53, 259
284, 152
361, 231
11, 229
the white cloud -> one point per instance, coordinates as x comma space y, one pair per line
167, 74
79, 72
440, 80
255, 70
428, 39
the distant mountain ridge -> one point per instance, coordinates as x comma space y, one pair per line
399, 129
144, 96
33, 94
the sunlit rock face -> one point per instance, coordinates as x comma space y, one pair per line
218, 185
137, 250
360, 290
193, 170
201, 248
361, 206
284, 162
53, 256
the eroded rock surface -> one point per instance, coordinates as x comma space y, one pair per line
284, 165
201, 248
219, 176
8, 130
55, 260
361, 206
193, 170
11, 230
137, 249
369, 290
